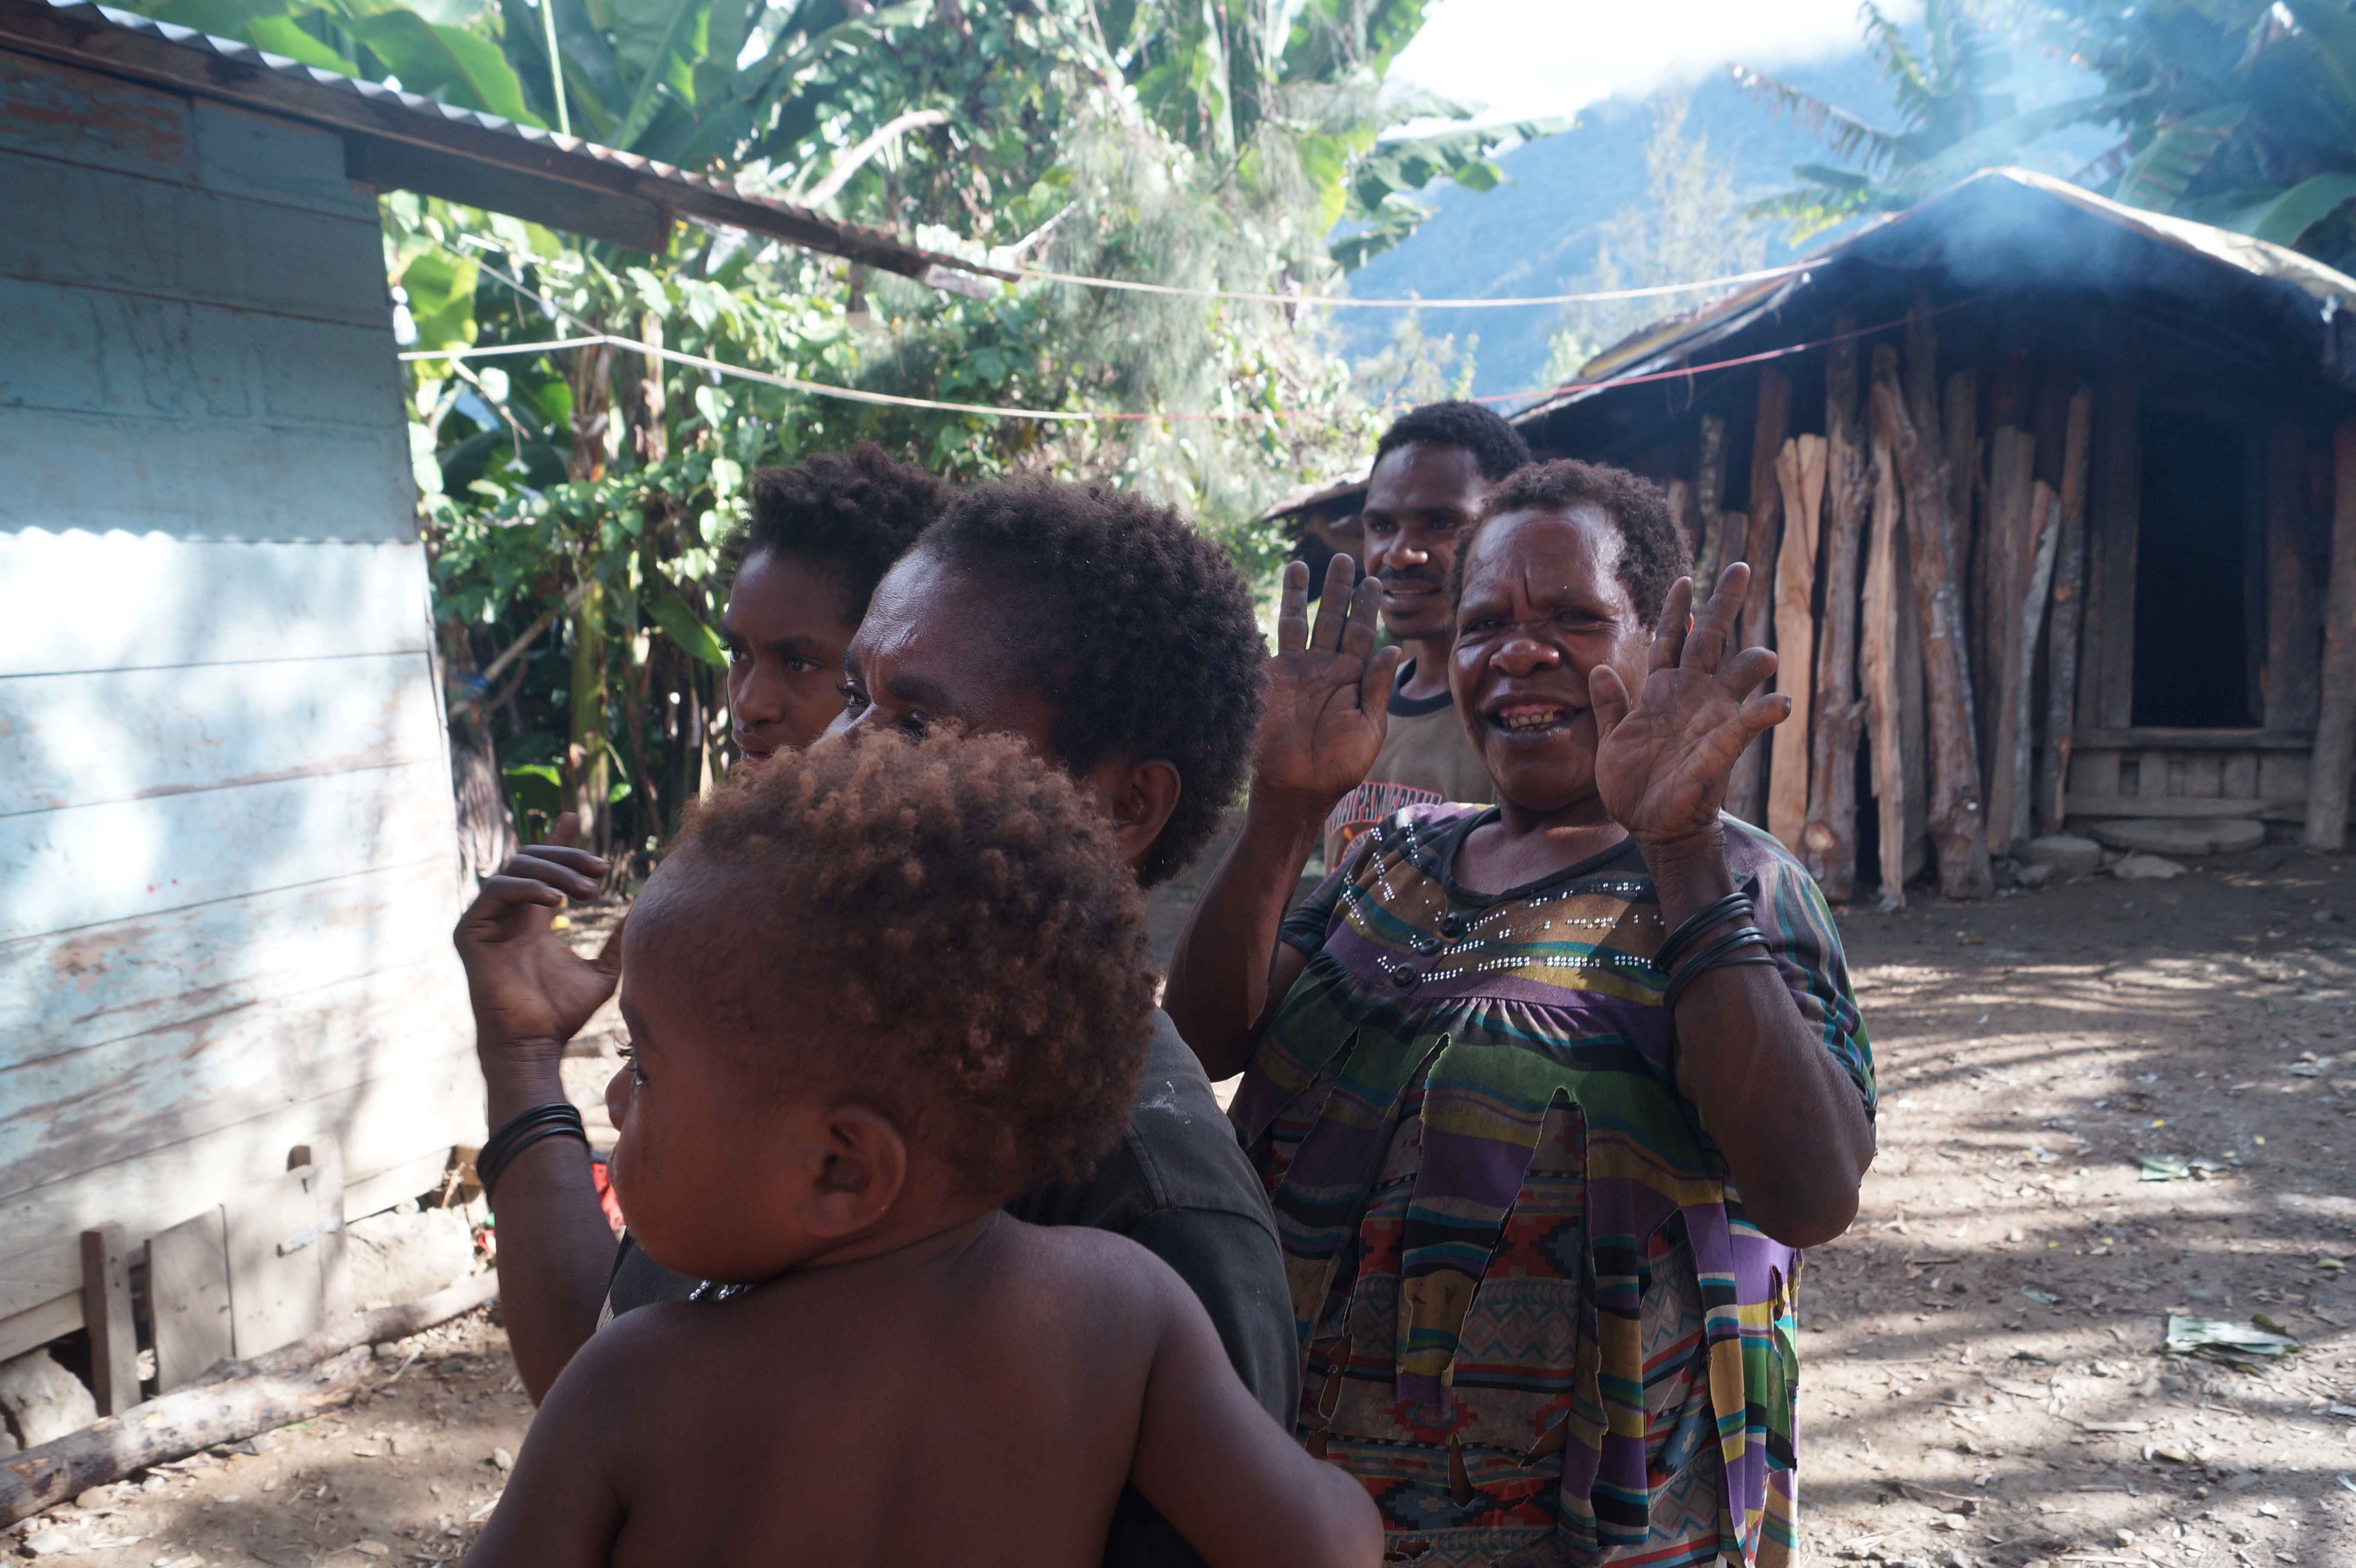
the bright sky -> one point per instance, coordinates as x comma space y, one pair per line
1529, 58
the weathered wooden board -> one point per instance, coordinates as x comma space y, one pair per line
1877, 660
204, 602
78, 1110
37, 1326
2093, 772
2335, 726
1762, 536
246, 480
65, 868
1709, 504
2045, 520
1800, 470
85, 740
2106, 664
2294, 606
99, 122
240, 152
428, 1103
187, 1292
62, 113
278, 1236
2068, 613
2282, 777
2097, 805
106, 1313
2008, 531
82, 988
226, 834
96, 229
98, 351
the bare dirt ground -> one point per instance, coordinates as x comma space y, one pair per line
1982, 1381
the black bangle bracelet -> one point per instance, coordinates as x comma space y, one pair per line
1723, 953
520, 1132
1740, 936
1690, 930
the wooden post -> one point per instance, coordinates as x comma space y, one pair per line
1709, 500
1966, 496
2069, 602
106, 1313
2113, 524
1877, 659
2006, 529
1956, 824
1681, 507
1746, 790
2019, 760
2294, 630
1800, 471
1960, 414
2335, 726
1913, 706
1830, 834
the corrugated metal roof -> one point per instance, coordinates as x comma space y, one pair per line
406, 140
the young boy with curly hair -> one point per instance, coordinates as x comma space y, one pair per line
950, 1006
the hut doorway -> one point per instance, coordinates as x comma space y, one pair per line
2194, 666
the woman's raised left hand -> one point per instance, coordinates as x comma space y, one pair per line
1662, 765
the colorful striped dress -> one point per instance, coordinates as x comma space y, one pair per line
1535, 1321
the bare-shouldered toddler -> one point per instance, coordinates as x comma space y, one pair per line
897, 1373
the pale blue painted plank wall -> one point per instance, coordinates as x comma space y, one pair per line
204, 479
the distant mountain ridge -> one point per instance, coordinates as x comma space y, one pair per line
1537, 233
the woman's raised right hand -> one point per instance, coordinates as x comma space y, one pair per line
1328, 692
530, 991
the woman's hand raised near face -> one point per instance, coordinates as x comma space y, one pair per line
530, 991
1328, 691
1662, 765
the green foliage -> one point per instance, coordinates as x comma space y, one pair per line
574, 499
1953, 120
2236, 112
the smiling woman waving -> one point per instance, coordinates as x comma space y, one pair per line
1546, 1094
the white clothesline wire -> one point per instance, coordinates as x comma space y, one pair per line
825, 389
1342, 301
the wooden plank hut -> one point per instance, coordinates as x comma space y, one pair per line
228, 859
2051, 505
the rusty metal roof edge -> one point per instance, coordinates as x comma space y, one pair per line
855, 241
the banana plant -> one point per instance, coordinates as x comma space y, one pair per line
1952, 120
2239, 112
1248, 85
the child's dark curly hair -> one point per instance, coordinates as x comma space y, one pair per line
1653, 554
1138, 628
958, 925
850, 514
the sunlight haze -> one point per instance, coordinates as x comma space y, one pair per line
1525, 58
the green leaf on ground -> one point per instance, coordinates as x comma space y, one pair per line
2230, 1344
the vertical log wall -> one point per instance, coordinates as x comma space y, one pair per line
1949, 574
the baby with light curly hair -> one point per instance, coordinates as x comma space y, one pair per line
873, 991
